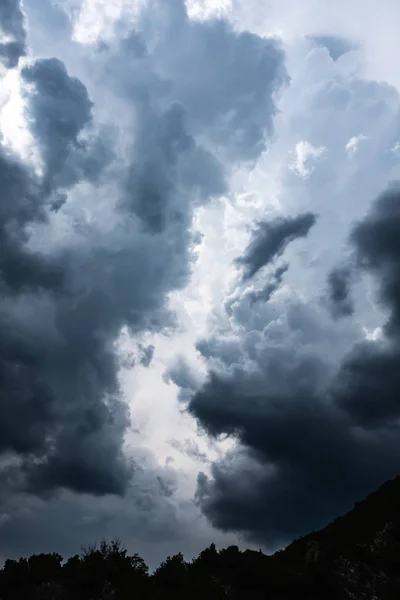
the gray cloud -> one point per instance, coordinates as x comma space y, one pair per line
148, 518
315, 431
367, 386
190, 448
12, 26
339, 297
58, 374
230, 91
182, 375
96, 241
378, 250
147, 353
158, 183
225, 79
270, 239
335, 44
265, 294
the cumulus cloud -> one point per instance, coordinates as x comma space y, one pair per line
312, 436
335, 44
225, 79
139, 125
97, 234
284, 372
353, 144
183, 376
304, 154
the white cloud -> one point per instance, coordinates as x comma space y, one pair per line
305, 155
374, 335
376, 30
353, 144
96, 18
205, 9
13, 122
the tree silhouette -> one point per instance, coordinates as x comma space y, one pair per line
357, 556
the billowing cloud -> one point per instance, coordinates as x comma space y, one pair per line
335, 44
283, 373
271, 287
312, 436
182, 375
119, 143
13, 34
226, 80
97, 230
367, 386
150, 518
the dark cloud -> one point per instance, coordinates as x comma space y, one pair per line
147, 518
12, 26
339, 293
95, 239
58, 381
225, 79
314, 433
182, 375
59, 107
265, 294
367, 386
60, 110
164, 171
378, 250
270, 239
336, 45
146, 355
284, 487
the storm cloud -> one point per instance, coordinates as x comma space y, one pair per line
270, 239
339, 295
12, 28
98, 231
312, 435
138, 146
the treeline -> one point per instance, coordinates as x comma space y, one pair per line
357, 557
108, 572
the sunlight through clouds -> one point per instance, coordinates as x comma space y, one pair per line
96, 18
13, 121
205, 9
197, 239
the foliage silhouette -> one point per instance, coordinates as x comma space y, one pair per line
357, 556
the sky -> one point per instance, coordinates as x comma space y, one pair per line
199, 270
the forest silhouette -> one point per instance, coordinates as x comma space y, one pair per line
356, 556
